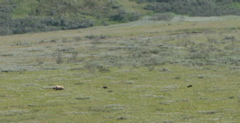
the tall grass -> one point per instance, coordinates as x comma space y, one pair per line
146, 71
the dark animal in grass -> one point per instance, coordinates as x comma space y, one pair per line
58, 87
189, 86
104, 87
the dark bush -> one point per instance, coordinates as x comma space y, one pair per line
8, 25
123, 16
37, 24
5, 30
5, 19
194, 8
52, 21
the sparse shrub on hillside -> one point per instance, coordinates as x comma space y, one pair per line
124, 16
20, 43
97, 37
9, 25
77, 38
29, 24
36, 24
53, 21
73, 58
103, 69
193, 8
142, 1
66, 50
229, 38
212, 40
90, 3
186, 43
91, 67
91, 37
63, 23
163, 16
5, 30
58, 57
5, 20
150, 68
77, 24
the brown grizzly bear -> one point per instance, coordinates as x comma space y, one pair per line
58, 87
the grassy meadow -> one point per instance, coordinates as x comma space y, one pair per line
181, 71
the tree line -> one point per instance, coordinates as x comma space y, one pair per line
194, 7
49, 15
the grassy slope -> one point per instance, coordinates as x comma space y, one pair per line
136, 93
74, 8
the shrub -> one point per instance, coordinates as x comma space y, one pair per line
163, 16
97, 37
91, 66
73, 57
6, 20
193, 8
5, 30
91, 37
59, 58
103, 69
123, 16
37, 24
76, 24
90, 3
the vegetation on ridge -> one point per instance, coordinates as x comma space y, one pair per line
47, 15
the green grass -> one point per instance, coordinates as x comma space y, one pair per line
133, 95
146, 66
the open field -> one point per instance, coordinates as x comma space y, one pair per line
145, 66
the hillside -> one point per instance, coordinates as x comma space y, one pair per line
47, 15
183, 70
